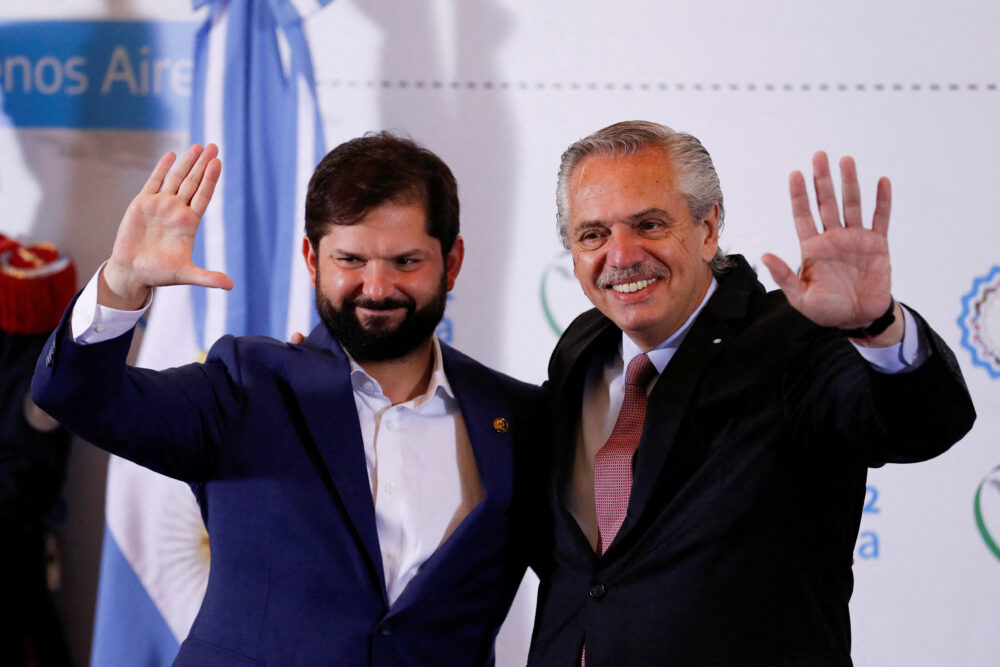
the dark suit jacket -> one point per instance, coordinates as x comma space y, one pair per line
748, 489
268, 436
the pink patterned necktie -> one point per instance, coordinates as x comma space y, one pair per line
613, 462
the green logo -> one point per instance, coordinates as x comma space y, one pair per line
560, 293
987, 510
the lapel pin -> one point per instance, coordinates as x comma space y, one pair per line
501, 425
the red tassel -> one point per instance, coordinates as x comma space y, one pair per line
37, 282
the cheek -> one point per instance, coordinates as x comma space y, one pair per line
583, 267
336, 284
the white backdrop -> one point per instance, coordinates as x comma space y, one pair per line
500, 88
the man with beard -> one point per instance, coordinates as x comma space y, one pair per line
713, 439
360, 489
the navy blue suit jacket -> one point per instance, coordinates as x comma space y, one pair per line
268, 436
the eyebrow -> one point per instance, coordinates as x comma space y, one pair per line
631, 219
412, 252
652, 211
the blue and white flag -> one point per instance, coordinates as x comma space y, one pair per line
254, 95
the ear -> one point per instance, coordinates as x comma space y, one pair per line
711, 243
309, 254
453, 262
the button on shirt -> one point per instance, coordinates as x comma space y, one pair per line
421, 468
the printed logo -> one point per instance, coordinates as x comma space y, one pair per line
987, 511
129, 75
980, 322
560, 293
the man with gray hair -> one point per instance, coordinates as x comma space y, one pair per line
712, 439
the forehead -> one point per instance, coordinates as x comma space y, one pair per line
615, 186
389, 227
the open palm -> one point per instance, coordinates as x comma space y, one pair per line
155, 240
845, 277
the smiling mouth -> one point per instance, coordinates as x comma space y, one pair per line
628, 288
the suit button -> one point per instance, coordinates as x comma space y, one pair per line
385, 629
597, 591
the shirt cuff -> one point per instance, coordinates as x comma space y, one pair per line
906, 355
91, 322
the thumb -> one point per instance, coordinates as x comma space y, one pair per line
786, 279
194, 275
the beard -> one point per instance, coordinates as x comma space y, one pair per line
379, 339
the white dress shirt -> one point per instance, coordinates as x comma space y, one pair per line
421, 468
604, 391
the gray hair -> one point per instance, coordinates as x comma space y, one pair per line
699, 182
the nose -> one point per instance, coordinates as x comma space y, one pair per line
378, 283
623, 248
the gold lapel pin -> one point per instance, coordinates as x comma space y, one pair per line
501, 425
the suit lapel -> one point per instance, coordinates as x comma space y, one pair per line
593, 337
669, 402
479, 401
599, 340
326, 400
673, 391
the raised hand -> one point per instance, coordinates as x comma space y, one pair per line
156, 237
845, 278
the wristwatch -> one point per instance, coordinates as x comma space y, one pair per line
875, 328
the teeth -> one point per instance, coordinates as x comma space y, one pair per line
628, 288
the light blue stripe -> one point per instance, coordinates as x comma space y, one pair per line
129, 629
286, 13
271, 141
286, 239
261, 147
199, 77
238, 184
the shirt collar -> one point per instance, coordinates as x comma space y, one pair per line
663, 352
437, 386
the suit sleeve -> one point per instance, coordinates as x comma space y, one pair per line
886, 418
169, 421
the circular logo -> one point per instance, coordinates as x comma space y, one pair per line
980, 322
987, 511
562, 298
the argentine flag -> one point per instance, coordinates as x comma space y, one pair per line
254, 96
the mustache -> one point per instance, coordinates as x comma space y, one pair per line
379, 304
630, 274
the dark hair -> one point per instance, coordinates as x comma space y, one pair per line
379, 168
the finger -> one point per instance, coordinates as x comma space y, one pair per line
180, 171
826, 197
786, 279
194, 275
189, 186
296, 338
155, 180
851, 193
206, 188
805, 226
883, 204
